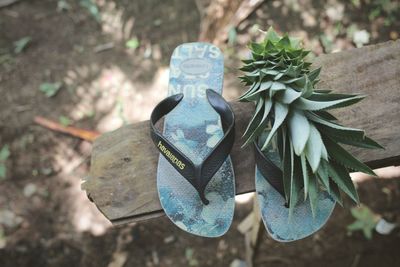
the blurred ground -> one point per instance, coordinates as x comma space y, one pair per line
106, 64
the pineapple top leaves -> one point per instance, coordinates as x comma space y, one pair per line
290, 108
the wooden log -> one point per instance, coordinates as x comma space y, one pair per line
122, 178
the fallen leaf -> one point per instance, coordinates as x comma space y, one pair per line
50, 89
132, 43
21, 44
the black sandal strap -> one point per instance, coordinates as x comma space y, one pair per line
198, 175
217, 156
269, 170
176, 158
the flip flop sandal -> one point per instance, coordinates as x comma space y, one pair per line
195, 178
273, 207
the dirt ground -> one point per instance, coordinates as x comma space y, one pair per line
46, 220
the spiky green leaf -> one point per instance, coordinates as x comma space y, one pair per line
282, 82
341, 177
314, 148
313, 193
255, 120
352, 140
323, 174
262, 124
272, 36
345, 158
334, 128
305, 104
335, 192
299, 130
304, 169
287, 166
287, 96
295, 182
280, 113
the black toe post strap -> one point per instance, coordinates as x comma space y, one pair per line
220, 152
269, 170
198, 175
175, 157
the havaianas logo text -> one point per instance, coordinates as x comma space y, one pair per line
171, 156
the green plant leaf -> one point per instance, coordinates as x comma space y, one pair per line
260, 63
50, 89
252, 89
299, 130
335, 192
232, 36
285, 42
4, 153
345, 158
295, 42
21, 44
329, 97
314, 74
291, 71
334, 128
349, 139
271, 36
305, 174
307, 89
270, 47
305, 104
323, 114
287, 166
290, 80
324, 175
189, 254
256, 93
92, 8
262, 124
280, 136
255, 120
366, 221
278, 76
256, 48
295, 184
270, 72
280, 113
341, 177
277, 86
302, 81
281, 77
314, 148
322, 91
132, 43
247, 61
287, 96
265, 85
245, 80
65, 121
248, 68
313, 193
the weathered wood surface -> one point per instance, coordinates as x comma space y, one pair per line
122, 179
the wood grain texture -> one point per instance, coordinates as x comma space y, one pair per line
122, 179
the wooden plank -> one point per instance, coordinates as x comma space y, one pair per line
122, 179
